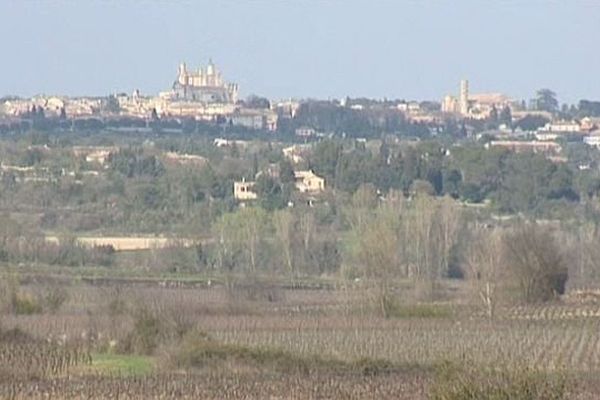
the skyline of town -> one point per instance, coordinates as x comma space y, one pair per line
314, 49
202, 93
215, 90
238, 93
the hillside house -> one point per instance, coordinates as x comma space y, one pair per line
243, 190
562, 126
308, 182
95, 154
185, 159
296, 153
544, 147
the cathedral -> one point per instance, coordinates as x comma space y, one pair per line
204, 85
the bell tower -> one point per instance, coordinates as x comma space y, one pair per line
463, 101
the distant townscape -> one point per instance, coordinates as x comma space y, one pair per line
306, 133
202, 96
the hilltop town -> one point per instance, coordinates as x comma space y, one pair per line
202, 96
201, 103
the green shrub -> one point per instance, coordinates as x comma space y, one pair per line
116, 306
145, 336
534, 258
471, 382
117, 302
198, 350
55, 298
14, 301
103, 255
25, 304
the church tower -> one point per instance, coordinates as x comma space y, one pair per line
183, 75
463, 101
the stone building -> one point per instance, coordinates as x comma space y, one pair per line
203, 85
308, 181
243, 190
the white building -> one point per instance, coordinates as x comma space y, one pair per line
562, 126
244, 190
593, 139
296, 153
305, 131
308, 181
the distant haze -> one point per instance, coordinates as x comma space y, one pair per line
321, 49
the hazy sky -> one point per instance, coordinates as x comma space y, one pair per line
395, 49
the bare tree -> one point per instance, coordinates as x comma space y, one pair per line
253, 223
435, 225
584, 253
284, 223
484, 264
534, 258
450, 219
401, 239
226, 233
424, 214
377, 251
307, 230
364, 202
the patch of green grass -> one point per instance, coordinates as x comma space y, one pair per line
118, 364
